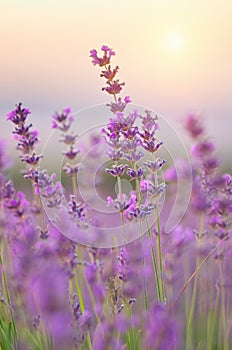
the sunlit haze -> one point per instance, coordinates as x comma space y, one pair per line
175, 42
174, 56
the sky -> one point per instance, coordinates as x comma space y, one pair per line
175, 56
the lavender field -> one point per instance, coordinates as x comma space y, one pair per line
124, 250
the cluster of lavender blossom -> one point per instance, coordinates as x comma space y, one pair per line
127, 141
163, 290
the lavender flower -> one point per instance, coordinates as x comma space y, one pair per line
19, 115
5, 161
123, 203
139, 211
71, 153
161, 330
102, 61
18, 205
119, 106
78, 212
154, 165
62, 120
135, 174
70, 169
26, 138
148, 187
193, 126
117, 170
32, 159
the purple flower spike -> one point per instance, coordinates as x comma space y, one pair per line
139, 211
135, 174
78, 211
161, 331
18, 205
19, 115
113, 87
123, 203
32, 159
71, 153
102, 61
70, 169
203, 149
5, 162
148, 186
154, 165
151, 146
149, 121
210, 165
119, 106
193, 126
109, 74
117, 170
62, 120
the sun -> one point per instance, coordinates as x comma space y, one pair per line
175, 42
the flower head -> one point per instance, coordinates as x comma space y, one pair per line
113, 87
193, 126
117, 170
18, 115
105, 59
62, 120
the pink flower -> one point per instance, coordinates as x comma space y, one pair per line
203, 149
119, 106
114, 88
127, 99
193, 126
110, 74
102, 61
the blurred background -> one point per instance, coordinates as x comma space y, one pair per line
175, 56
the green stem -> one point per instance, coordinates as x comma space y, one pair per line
7, 293
74, 185
89, 341
43, 224
154, 263
144, 278
120, 198
211, 324
159, 247
119, 187
191, 312
193, 301
223, 326
137, 184
115, 98
80, 297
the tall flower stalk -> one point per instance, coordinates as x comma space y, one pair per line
126, 140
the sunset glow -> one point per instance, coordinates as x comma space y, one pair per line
179, 51
175, 42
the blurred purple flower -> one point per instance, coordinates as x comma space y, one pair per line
62, 120
161, 331
193, 126
203, 149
